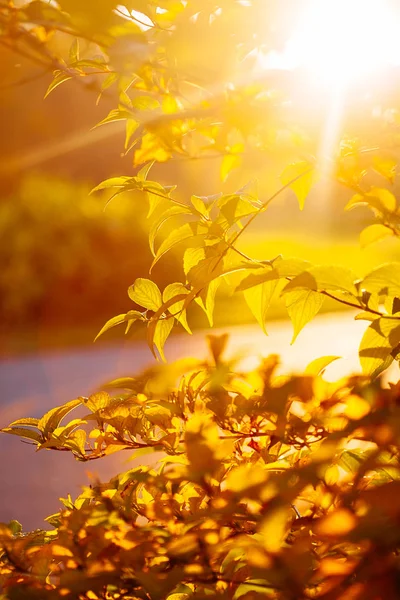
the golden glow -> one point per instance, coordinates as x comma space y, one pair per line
338, 41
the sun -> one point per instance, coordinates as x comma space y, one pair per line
339, 41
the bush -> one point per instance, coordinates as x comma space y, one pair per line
267, 486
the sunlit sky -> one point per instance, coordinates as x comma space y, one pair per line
341, 40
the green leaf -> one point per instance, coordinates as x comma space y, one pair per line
318, 365
385, 278
374, 233
301, 177
258, 299
60, 77
378, 346
48, 423
302, 306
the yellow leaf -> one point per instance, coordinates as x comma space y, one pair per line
318, 366
386, 167
229, 163
356, 407
274, 528
172, 290
302, 306
336, 524
145, 293
258, 299
374, 233
300, 176
162, 331
385, 277
377, 345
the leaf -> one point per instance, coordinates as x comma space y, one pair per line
374, 233
279, 269
60, 77
323, 278
185, 232
97, 401
113, 116
378, 199
377, 346
23, 432
302, 306
206, 299
145, 293
144, 171
274, 528
151, 149
161, 219
301, 177
74, 51
113, 182
318, 365
199, 205
48, 423
76, 442
383, 278
130, 128
162, 330
234, 207
172, 290
258, 299
130, 317
229, 163
386, 167
336, 524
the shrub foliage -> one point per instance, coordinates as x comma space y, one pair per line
268, 486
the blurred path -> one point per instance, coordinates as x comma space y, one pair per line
31, 483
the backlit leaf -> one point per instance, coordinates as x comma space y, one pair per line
324, 278
162, 331
302, 306
383, 278
301, 177
318, 365
145, 293
258, 299
172, 290
52, 418
336, 524
60, 77
377, 345
185, 232
374, 233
